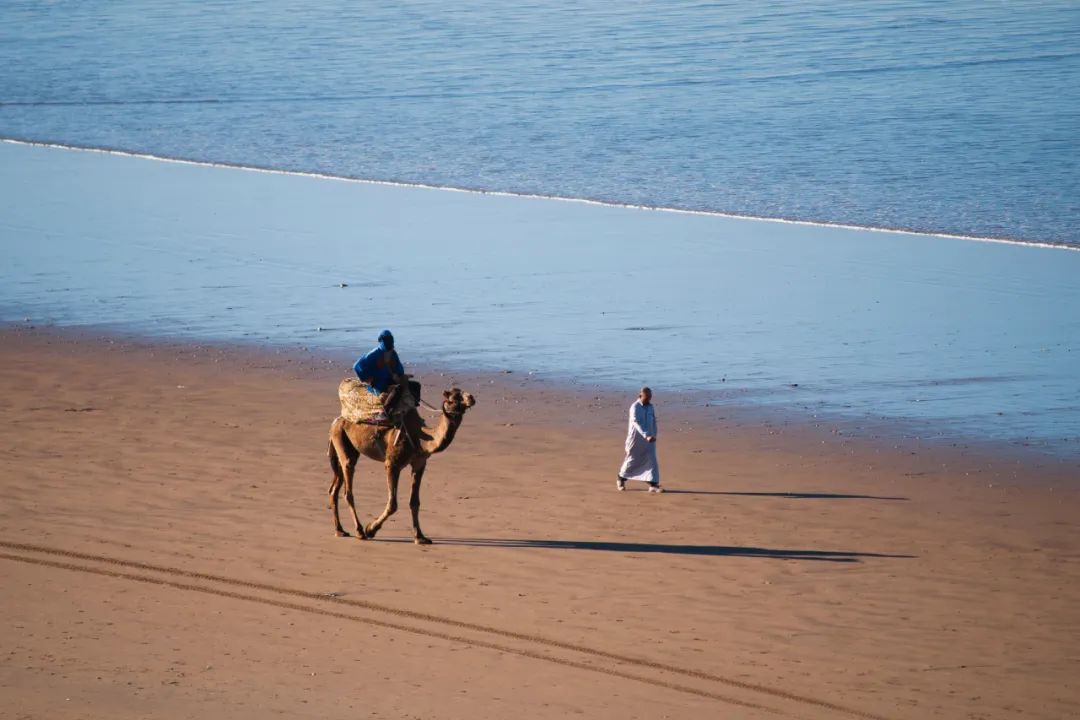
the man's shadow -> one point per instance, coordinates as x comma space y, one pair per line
673, 549
788, 495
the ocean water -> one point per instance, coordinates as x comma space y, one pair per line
943, 338
957, 117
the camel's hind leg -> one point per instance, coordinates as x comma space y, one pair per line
343, 462
392, 475
348, 471
418, 467
336, 480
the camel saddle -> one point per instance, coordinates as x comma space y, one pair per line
359, 404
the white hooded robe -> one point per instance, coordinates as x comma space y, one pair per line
640, 462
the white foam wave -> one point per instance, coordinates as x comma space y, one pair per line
504, 193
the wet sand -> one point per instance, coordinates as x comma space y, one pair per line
951, 338
167, 552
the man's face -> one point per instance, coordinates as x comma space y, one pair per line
388, 342
645, 396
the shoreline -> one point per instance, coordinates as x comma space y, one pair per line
120, 152
589, 405
686, 408
951, 340
947, 579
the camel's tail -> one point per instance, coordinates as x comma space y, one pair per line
331, 452
335, 466
342, 437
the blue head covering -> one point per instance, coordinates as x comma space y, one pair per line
377, 368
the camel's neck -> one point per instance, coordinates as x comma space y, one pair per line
441, 435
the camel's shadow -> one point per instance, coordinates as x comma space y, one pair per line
634, 547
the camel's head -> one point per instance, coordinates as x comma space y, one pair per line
456, 402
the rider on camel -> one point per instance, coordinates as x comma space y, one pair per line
381, 370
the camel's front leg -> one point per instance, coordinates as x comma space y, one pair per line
392, 474
418, 467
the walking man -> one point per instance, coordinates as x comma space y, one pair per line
640, 462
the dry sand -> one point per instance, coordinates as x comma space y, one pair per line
167, 552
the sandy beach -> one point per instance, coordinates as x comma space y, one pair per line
167, 552
838, 240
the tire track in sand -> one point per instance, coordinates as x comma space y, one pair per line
322, 598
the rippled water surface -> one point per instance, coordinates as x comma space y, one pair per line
958, 117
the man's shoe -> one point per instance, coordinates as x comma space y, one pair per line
656, 489
621, 483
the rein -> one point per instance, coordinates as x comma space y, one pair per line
444, 411
401, 429
429, 406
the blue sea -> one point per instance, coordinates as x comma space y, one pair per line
958, 117
942, 118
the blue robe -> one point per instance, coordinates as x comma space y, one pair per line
378, 367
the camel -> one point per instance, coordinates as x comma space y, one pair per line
412, 446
